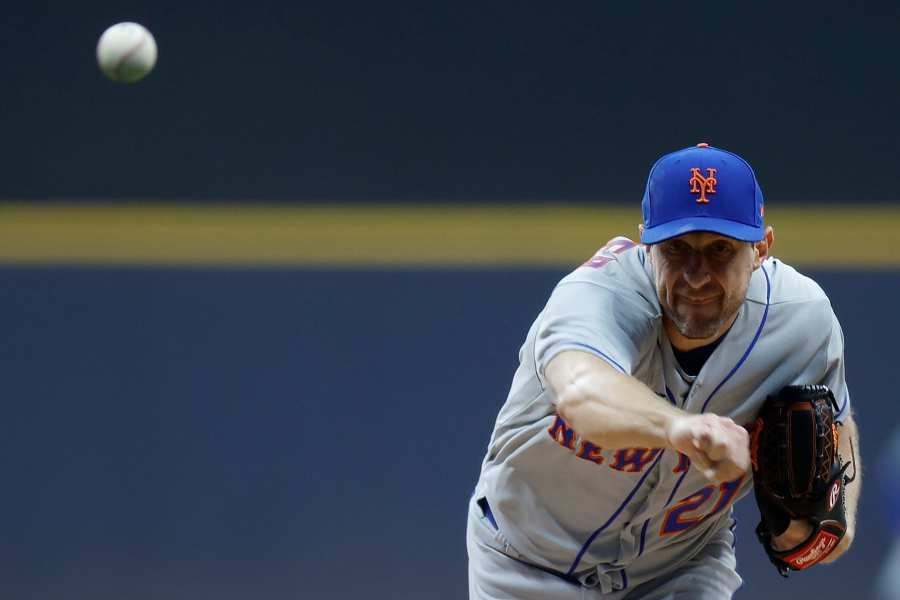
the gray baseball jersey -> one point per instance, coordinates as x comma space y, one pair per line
632, 514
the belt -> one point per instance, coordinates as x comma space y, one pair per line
589, 579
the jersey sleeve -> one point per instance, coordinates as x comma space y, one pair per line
596, 317
834, 368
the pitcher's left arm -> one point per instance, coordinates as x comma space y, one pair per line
848, 446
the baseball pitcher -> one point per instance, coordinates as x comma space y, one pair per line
661, 382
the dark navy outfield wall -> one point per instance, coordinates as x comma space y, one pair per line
299, 433
414, 101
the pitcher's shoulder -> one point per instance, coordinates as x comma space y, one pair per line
796, 300
791, 286
620, 260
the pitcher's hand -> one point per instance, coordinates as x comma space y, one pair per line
716, 445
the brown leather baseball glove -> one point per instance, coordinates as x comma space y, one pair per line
798, 474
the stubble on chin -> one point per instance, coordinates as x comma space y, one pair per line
698, 330
694, 327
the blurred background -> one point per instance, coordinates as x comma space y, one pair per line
260, 309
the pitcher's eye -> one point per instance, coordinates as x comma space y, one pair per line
676, 248
722, 250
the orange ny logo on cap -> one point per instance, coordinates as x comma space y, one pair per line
703, 185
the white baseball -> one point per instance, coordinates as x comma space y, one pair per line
126, 52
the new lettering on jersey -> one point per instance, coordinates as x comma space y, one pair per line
634, 460
562, 433
591, 452
683, 465
630, 460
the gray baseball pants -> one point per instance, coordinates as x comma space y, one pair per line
496, 574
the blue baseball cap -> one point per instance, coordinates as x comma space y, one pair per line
702, 188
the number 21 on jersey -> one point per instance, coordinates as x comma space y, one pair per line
681, 516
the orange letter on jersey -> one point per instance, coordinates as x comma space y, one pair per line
561, 432
684, 463
591, 452
633, 460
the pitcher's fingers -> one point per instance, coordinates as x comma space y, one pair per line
719, 446
710, 440
725, 471
711, 474
742, 459
702, 462
701, 436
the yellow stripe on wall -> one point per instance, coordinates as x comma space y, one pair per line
395, 235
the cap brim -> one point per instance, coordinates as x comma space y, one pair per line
738, 231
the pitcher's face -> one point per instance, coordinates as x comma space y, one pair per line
702, 280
